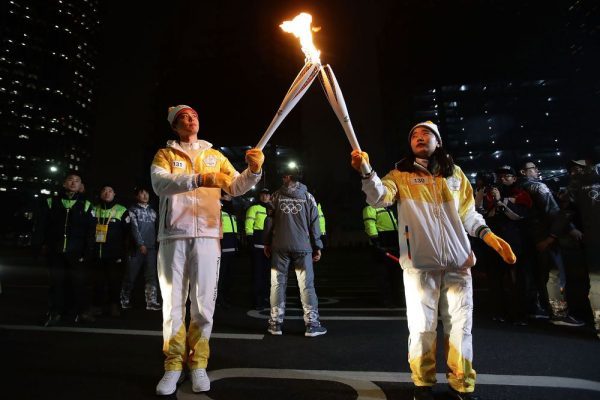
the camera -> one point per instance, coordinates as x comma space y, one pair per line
487, 179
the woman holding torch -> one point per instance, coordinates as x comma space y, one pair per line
188, 176
436, 209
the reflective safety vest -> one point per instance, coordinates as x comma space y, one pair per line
255, 219
229, 222
68, 204
378, 220
321, 219
229, 242
110, 241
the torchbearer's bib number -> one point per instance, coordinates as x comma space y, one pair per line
419, 180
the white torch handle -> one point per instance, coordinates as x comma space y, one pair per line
300, 85
336, 99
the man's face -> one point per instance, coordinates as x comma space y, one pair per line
576, 170
186, 124
142, 197
423, 142
107, 194
72, 183
265, 197
530, 170
507, 179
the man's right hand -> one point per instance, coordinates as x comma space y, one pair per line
316, 255
217, 180
357, 158
143, 250
267, 251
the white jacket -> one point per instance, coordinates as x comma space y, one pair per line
433, 215
188, 211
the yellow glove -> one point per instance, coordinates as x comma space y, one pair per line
501, 247
357, 159
216, 180
255, 159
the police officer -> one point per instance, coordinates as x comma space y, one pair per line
63, 233
229, 249
254, 226
382, 229
112, 227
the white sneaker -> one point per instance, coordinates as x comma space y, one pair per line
168, 383
200, 381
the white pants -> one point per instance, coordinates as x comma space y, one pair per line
188, 265
450, 292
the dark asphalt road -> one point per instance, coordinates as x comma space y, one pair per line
362, 356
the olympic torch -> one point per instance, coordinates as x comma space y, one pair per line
336, 99
300, 85
300, 27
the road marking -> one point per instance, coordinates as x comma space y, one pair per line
137, 332
257, 314
362, 381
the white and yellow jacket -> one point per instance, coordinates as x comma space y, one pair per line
186, 210
433, 214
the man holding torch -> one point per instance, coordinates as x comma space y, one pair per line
188, 176
436, 209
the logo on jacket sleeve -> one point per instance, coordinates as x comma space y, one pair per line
453, 183
178, 164
210, 161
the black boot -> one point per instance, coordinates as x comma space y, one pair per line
423, 393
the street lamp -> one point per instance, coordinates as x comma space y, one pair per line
53, 168
292, 165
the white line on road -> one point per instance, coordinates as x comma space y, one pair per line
137, 332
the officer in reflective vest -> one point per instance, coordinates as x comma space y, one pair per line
382, 228
62, 231
111, 230
322, 225
261, 270
229, 249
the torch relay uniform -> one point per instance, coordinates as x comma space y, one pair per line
434, 216
189, 252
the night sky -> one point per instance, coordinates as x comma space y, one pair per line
232, 62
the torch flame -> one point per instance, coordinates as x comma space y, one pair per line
300, 27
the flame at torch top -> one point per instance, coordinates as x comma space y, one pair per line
300, 27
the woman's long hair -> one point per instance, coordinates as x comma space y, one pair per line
440, 163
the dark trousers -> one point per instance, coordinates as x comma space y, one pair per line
389, 278
507, 287
546, 260
135, 263
225, 276
108, 275
261, 277
68, 283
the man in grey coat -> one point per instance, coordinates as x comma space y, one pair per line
143, 232
293, 237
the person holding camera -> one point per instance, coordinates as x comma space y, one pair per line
506, 206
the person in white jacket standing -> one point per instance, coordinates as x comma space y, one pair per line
436, 210
188, 176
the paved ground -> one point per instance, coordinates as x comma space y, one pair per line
362, 356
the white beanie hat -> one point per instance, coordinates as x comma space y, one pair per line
174, 112
429, 125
